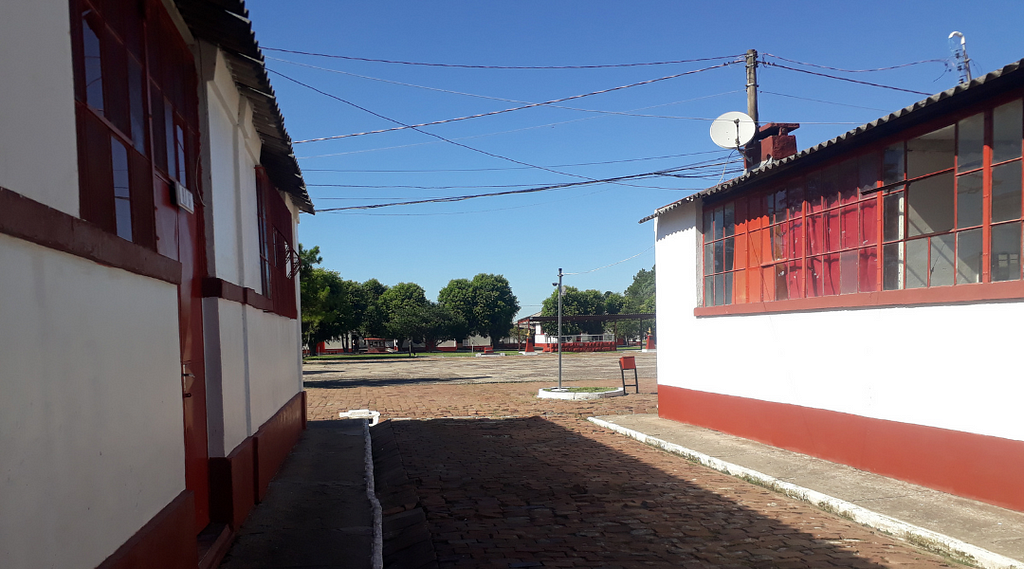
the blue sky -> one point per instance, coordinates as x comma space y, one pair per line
528, 237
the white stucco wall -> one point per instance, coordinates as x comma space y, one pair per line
91, 429
950, 367
274, 363
38, 156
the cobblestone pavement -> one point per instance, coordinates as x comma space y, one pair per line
537, 486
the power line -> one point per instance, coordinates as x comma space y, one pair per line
513, 167
487, 97
826, 102
767, 63
520, 67
891, 67
509, 110
613, 264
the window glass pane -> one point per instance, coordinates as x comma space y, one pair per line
830, 186
719, 221
135, 101
970, 142
179, 141
740, 214
830, 274
709, 225
795, 199
719, 256
728, 254
850, 224
729, 220
868, 222
1006, 252
794, 280
930, 152
159, 134
893, 216
1006, 192
930, 205
779, 233
1006, 131
812, 187
795, 243
709, 291
709, 258
739, 287
719, 290
172, 159
868, 176
93, 66
779, 204
849, 179
968, 256
892, 270
917, 263
833, 234
815, 282
867, 272
727, 292
942, 260
815, 234
848, 263
968, 200
892, 164
122, 189
781, 290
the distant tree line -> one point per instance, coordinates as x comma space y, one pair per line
638, 298
336, 309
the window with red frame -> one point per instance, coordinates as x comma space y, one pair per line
942, 208
277, 255
137, 112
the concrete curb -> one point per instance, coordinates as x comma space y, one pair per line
542, 393
377, 556
921, 537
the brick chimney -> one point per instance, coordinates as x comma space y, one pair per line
775, 141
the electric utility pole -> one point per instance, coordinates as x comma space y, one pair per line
753, 156
559, 291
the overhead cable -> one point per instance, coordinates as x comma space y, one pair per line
611, 265
521, 67
487, 97
511, 109
768, 63
891, 67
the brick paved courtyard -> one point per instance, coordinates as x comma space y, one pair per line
530, 483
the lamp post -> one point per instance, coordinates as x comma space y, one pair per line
560, 327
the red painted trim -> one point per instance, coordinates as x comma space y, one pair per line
232, 484
985, 468
166, 541
219, 288
981, 292
274, 440
27, 219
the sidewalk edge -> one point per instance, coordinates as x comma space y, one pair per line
933, 541
377, 557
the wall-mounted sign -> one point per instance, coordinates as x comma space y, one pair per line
184, 198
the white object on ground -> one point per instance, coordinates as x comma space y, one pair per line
373, 416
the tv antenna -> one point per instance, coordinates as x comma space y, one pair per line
963, 63
733, 130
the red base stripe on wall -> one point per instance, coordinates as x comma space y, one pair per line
166, 541
232, 480
989, 469
275, 439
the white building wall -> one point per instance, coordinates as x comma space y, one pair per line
91, 430
274, 363
253, 358
38, 144
941, 366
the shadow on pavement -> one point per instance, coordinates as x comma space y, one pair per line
529, 492
382, 382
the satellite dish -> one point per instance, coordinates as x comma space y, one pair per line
732, 130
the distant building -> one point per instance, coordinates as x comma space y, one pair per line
860, 301
149, 338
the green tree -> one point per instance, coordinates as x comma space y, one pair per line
326, 307
443, 324
640, 299
575, 302
486, 304
374, 319
404, 310
494, 306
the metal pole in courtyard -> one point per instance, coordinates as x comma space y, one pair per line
559, 327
